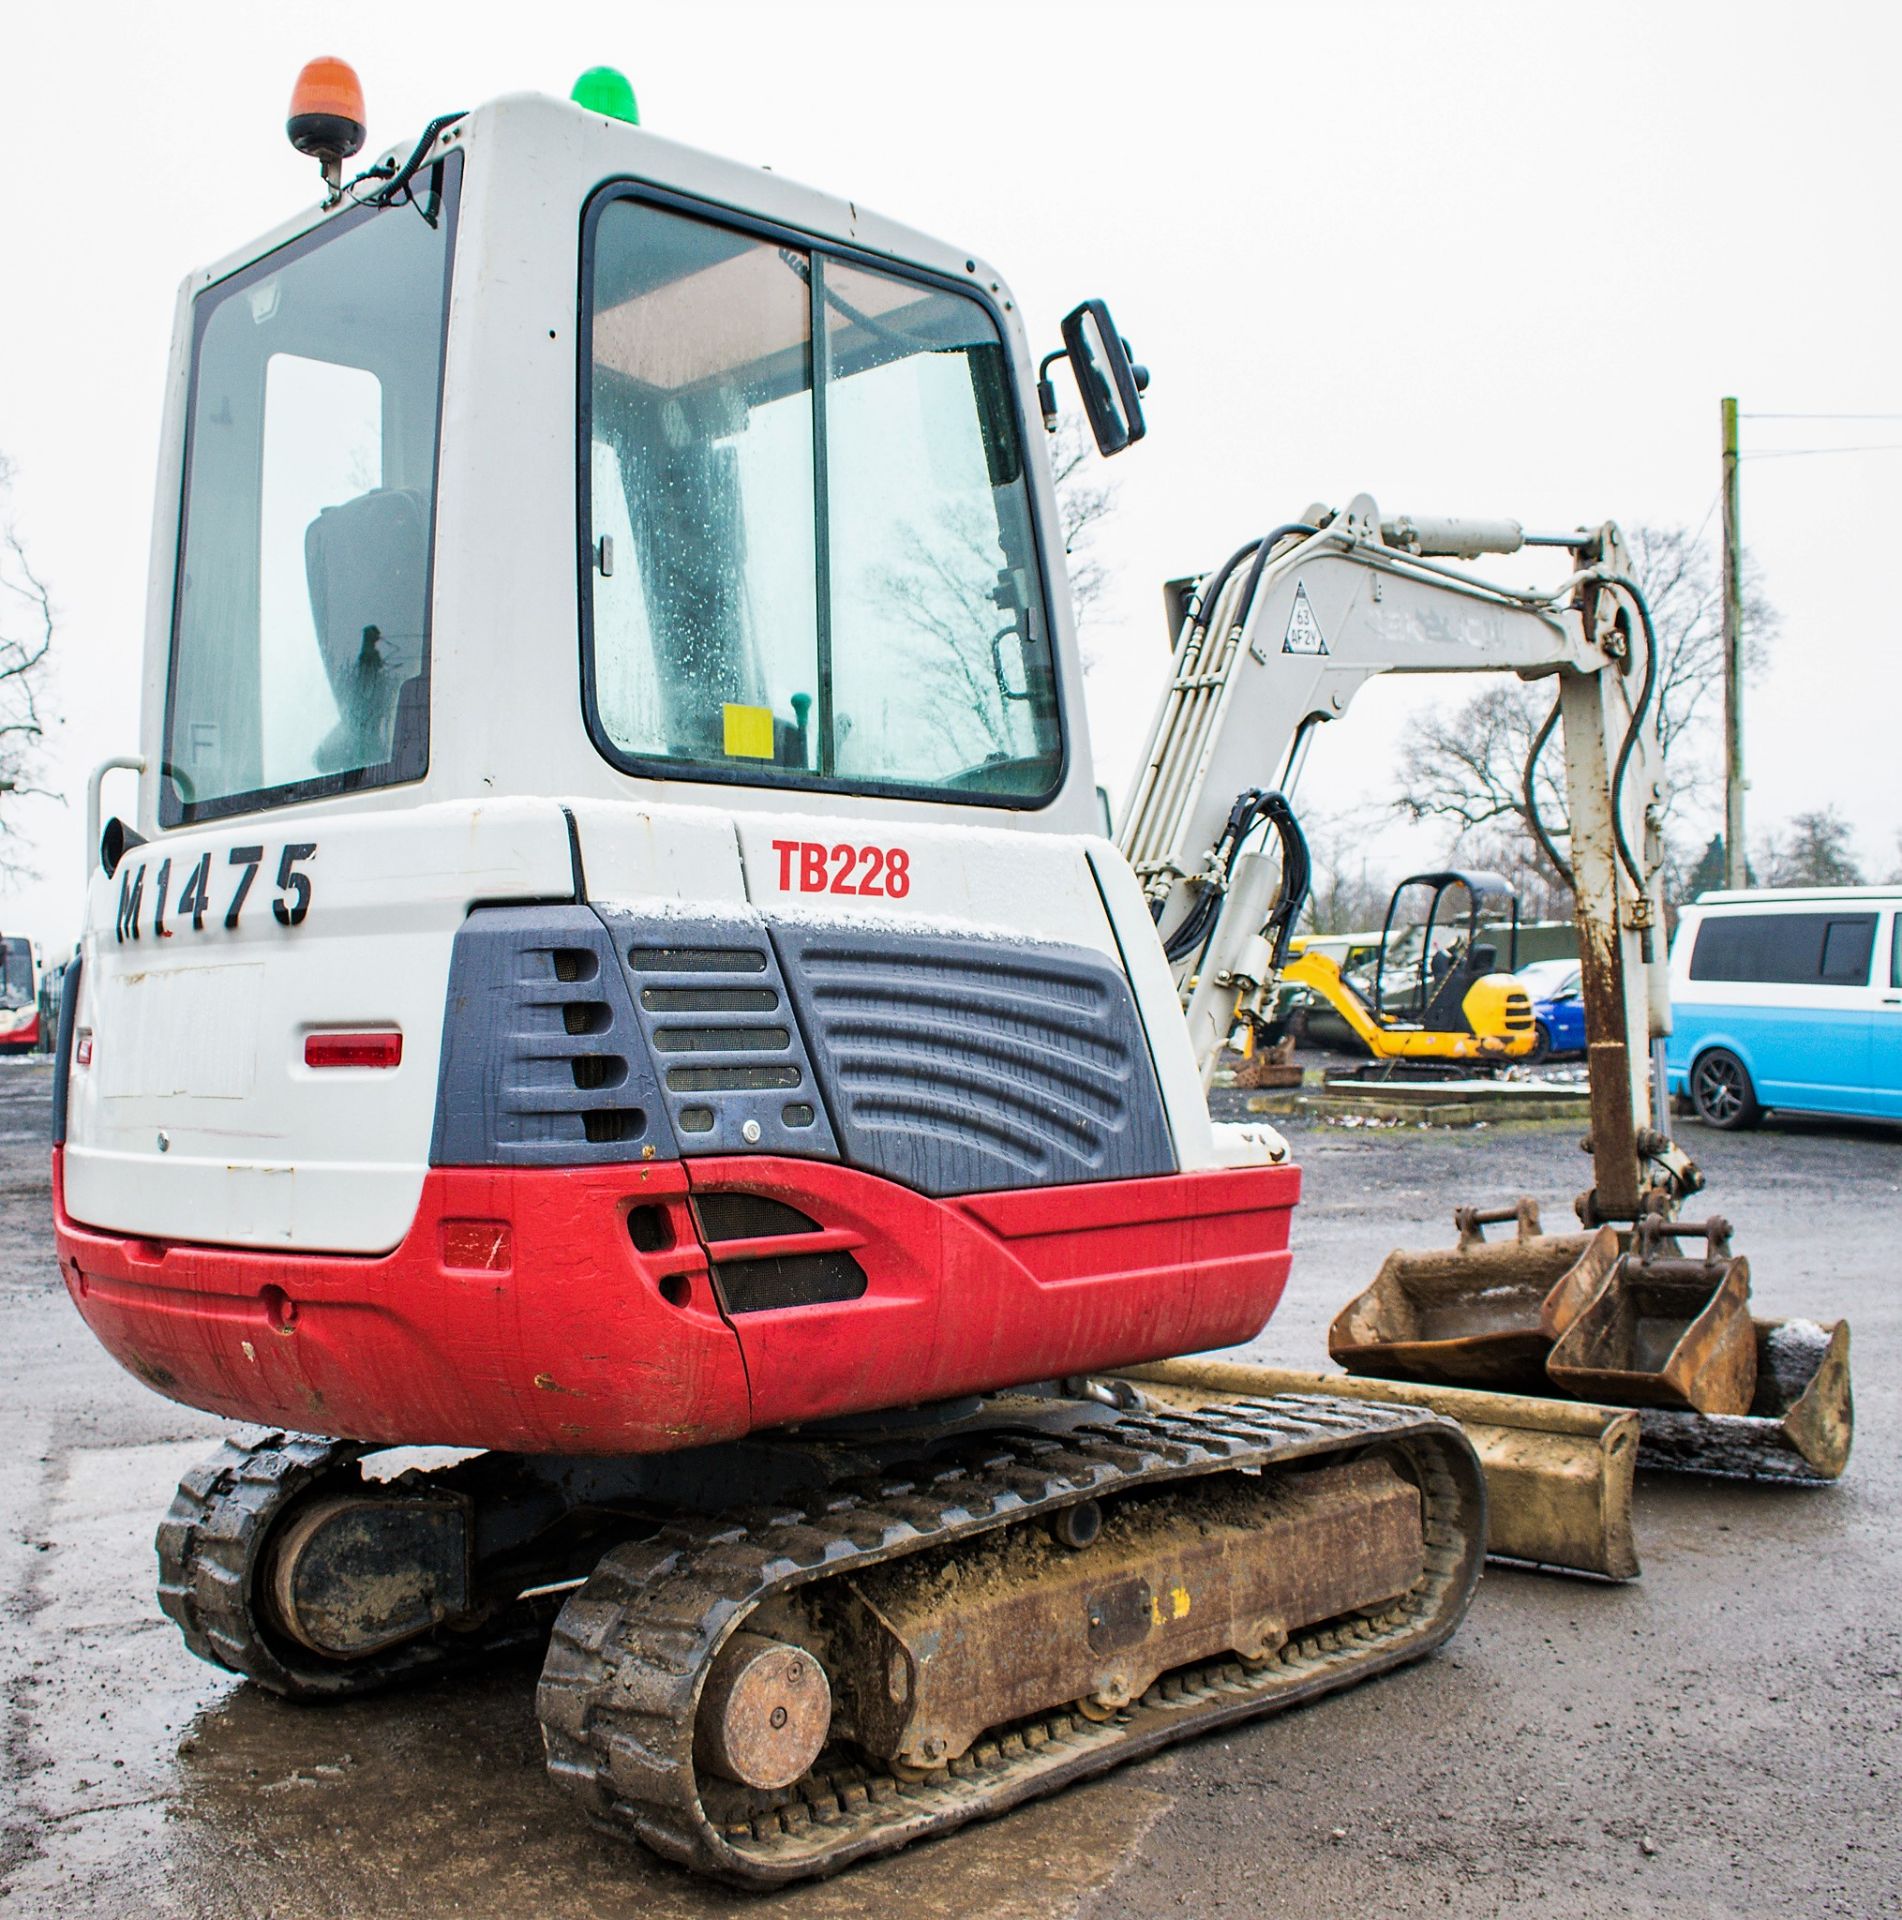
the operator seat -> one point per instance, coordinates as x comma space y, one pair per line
367, 561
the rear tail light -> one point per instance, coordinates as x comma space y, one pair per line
353, 1049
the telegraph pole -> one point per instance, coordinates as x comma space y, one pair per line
1736, 873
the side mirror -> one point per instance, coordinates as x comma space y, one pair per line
1105, 377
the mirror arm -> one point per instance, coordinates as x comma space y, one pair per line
1047, 389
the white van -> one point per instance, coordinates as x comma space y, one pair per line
1790, 998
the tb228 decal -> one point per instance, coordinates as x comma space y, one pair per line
811, 866
195, 903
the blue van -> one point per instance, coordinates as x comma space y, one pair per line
1788, 998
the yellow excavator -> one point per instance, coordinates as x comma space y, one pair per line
1437, 992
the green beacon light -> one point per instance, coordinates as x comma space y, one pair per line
607, 90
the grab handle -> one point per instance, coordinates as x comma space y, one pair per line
128, 762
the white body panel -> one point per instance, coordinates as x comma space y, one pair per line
199, 1037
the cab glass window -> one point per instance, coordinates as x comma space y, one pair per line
807, 539
300, 648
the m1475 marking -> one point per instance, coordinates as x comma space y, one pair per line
289, 907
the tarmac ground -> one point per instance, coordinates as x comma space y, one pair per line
1720, 1739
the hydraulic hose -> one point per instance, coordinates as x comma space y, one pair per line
1264, 551
1297, 872
1200, 919
1631, 587
1211, 590
1251, 808
1533, 818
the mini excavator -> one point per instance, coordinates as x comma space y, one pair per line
1436, 993
612, 970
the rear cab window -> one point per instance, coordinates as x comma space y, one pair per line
300, 636
807, 545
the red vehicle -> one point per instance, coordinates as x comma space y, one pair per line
19, 995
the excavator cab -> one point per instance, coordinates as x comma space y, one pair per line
1440, 940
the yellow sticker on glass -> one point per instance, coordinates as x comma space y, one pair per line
749, 732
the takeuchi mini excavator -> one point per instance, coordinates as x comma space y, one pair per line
612, 969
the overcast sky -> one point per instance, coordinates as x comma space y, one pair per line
1485, 259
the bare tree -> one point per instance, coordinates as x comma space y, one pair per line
1543, 895
1466, 766
1345, 894
940, 585
26, 637
1686, 596
1085, 499
1814, 851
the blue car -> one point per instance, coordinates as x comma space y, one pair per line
1557, 1012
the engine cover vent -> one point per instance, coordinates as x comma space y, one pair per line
543, 1062
964, 1065
731, 1065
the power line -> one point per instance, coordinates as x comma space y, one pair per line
1821, 416
1796, 453
1708, 511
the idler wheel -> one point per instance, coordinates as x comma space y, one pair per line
764, 1714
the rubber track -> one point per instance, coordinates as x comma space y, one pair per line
209, 1550
621, 1683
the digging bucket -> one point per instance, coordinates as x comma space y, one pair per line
1663, 1331
1474, 1315
1801, 1421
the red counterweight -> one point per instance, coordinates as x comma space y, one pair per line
604, 1310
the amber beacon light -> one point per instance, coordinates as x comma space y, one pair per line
327, 118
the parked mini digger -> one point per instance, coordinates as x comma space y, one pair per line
612, 968
1437, 995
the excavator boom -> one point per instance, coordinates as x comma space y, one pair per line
1279, 640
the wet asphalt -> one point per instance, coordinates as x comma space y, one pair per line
1720, 1739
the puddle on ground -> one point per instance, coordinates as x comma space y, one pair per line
156, 1785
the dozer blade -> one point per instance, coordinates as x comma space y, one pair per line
1801, 1418
1558, 1472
